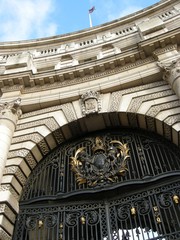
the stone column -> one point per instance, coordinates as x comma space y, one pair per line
9, 115
172, 75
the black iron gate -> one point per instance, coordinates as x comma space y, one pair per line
117, 186
151, 214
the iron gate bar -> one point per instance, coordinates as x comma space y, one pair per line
107, 220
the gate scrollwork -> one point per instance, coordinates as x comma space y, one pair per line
165, 200
142, 206
50, 221
31, 222
72, 219
89, 217
123, 212
92, 217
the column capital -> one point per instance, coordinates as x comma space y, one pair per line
9, 115
171, 74
11, 110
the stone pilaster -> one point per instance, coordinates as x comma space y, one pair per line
171, 74
9, 115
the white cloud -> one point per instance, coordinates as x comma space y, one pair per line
124, 12
24, 19
114, 9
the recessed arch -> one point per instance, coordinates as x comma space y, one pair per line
93, 123
89, 124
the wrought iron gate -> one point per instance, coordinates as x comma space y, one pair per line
138, 199
151, 214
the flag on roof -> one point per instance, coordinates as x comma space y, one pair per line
92, 9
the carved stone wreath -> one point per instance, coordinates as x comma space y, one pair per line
104, 166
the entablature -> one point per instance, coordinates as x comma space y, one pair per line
91, 68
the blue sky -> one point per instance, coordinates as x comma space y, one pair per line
30, 19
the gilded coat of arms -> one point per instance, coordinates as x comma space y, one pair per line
105, 165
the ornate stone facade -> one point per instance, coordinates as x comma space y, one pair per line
130, 79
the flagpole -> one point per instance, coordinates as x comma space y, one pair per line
91, 10
90, 20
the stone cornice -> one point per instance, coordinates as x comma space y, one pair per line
28, 82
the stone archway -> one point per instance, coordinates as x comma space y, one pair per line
49, 132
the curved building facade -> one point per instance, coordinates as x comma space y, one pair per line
90, 131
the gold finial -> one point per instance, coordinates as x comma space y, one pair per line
133, 211
176, 199
40, 223
83, 220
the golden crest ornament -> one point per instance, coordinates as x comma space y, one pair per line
105, 165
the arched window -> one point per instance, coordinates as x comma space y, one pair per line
115, 185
